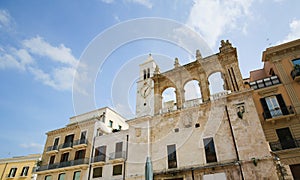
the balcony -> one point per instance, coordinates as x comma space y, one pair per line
266, 82
80, 143
52, 149
117, 155
279, 113
219, 95
295, 73
192, 103
66, 146
100, 158
278, 146
63, 164
168, 109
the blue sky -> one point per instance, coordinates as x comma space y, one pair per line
41, 43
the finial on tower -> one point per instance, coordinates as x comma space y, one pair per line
176, 63
198, 54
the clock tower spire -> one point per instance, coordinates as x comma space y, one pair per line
145, 92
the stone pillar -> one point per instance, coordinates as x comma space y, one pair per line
178, 98
204, 86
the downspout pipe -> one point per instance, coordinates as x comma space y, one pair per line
124, 167
234, 143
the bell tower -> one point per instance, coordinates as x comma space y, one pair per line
145, 92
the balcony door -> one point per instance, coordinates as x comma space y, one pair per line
119, 149
273, 106
285, 137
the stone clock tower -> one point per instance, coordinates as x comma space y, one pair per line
145, 92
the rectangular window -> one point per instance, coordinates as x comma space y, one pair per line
296, 61
100, 153
274, 106
49, 177
80, 154
210, 152
119, 148
62, 176
64, 157
12, 172
52, 158
117, 170
68, 141
76, 175
25, 171
285, 138
56, 141
110, 123
172, 159
83, 136
97, 172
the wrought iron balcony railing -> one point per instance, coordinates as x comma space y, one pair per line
277, 112
80, 141
65, 145
277, 146
266, 82
52, 148
63, 164
117, 155
100, 158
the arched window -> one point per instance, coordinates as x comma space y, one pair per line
148, 74
216, 86
145, 74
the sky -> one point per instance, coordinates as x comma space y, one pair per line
43, 45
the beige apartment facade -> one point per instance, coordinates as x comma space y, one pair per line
67, 152
277, 98
21, 167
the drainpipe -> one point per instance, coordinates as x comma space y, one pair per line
124, 168
193, 174
233, 139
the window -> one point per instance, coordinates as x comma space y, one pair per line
274, 106
100, 153
68, 141
55, 144
80, 154
296, 61
145, 74
120, 127
83, 137
52, 158
25, 171
285, 138
97, 172
64, 157
49, 177
110, 123
117, 170
119, 148
172, 160
12, 172
76, 175
210, 152
62, 176
295, 171
148, 74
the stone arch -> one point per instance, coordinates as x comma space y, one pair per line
216, 83
169, 101
192, 93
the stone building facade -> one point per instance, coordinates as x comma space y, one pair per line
219, 136
277, 98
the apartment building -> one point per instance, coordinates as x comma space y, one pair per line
21, 167
276, 95
67, 152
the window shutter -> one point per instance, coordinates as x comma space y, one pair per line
266, 113
282, 104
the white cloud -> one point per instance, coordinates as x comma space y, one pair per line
60, 54
212, 18
9, 61
145, 3
107, 1
35, 146
294, 32
5, 18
